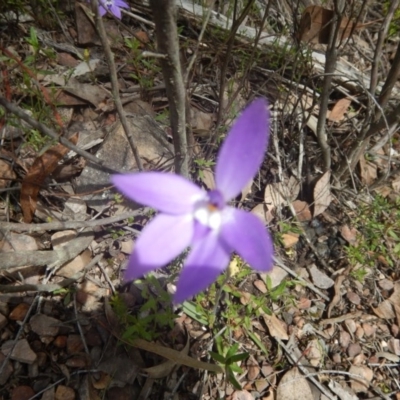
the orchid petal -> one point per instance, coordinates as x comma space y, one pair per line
116, 11
168, 193
121, 4
244, 233
243, 150
207, 259
163, 239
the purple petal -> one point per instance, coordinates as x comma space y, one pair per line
168, 193
245, 233
243, 150
121, 4
160, 242
207, 259
116, 11
102, 11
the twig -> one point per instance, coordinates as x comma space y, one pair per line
330, 66
231, 40
390, 82
51, 287
379, 45
49, 132
114, 83
20, 331
304, 370
78, 324
164, 13
60, 225
280, 264
199, 39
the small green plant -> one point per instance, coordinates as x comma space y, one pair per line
151, 318
145, 70
379, 238
228, 357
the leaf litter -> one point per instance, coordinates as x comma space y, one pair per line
79, 338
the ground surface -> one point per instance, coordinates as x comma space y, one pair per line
323, 324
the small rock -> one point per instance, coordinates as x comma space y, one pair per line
21, 242
60, 341
44, 325
76, 265
353, 298
22, 393
127, 246
260, 285
386, 284
6, 371
354, 349
77, 362
369, 330
359, 332
350, 325
48, 394
64, 393
361, 384
320, 279
74, 344
21, 352
3, 321
19, 312
344, 339
62, 238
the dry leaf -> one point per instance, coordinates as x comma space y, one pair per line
361, 384
279, 193
7, 173
315, 25
368, 171
262, 212
339, 109
289, 239
42, 167
349, 234
276, 327
294, 386
302, 209
242, 395
322, 194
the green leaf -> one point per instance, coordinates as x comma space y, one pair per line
257, 341
237, 357
231, 378
232, 351
190, 309
217, 357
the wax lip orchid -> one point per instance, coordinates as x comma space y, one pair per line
113, 6
191, 217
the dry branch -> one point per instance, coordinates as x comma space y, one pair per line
164, 13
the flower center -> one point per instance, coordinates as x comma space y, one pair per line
208, 211
109, 3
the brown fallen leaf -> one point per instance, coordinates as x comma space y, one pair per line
289, 239
368, 171
302, 209
42, 167
349, 234
276, 327
339, 109
294, 385
322, 194
6, 173
315, 25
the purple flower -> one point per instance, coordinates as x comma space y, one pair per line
112, 6
190, 216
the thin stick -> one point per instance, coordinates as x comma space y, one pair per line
164, 13
114, 83
49, 132
60, 225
